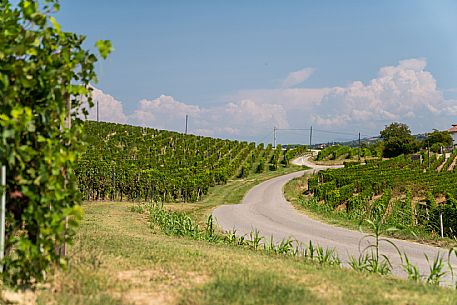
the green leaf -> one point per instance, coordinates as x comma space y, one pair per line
39, 64
55, 23
32, 51
104, 47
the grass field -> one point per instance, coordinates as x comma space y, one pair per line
118, 259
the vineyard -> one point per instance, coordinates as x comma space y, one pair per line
343, 152
407, 192
124, 162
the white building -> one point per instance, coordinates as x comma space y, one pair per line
453, 132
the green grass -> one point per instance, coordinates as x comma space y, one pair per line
293, 192
118, 259
249, 288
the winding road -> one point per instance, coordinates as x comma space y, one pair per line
264, 208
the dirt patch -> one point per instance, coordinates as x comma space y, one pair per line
156, 287
26, 297
328, 162
139, 277
440, 200
376, 197
341, 207
452, 166
141, 297
440, 167
327, 290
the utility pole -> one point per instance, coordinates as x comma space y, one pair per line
359, 146
98, 117
274, 137
310, 137
187, 119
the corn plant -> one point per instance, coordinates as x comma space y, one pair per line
285, 246
242, 241
436, 270
230, 237
174, 223
255, 238
411, 270
373, 260
379, 266
452, 251
358, 264
297, 250
327, 256
370, 263
209, 230
270, 247
309, 251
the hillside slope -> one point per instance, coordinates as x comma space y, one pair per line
125, 162
118, 259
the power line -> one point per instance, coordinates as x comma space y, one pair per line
354, 137
292, 129
325, 131
336, 132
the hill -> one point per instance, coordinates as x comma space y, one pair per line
125, 162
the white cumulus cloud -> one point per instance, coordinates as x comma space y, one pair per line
297, 77
243, 118
164, 112
404, 92
110, 109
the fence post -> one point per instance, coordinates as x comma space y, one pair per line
2, 218
441, 224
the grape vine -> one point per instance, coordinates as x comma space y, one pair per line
124, 162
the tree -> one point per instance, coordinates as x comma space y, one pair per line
397, 140
44, 75
437, 139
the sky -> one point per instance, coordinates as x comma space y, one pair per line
238, 69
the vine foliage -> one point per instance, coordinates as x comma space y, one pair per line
44, 76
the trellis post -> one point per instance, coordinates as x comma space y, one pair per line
441, 224
2, 218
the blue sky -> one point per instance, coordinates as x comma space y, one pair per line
228, 64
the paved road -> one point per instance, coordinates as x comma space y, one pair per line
264, 208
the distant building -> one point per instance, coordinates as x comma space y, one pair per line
453, 132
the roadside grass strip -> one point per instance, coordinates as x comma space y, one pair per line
119, 259
370, 260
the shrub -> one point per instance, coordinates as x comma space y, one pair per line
42, 72
312, 183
